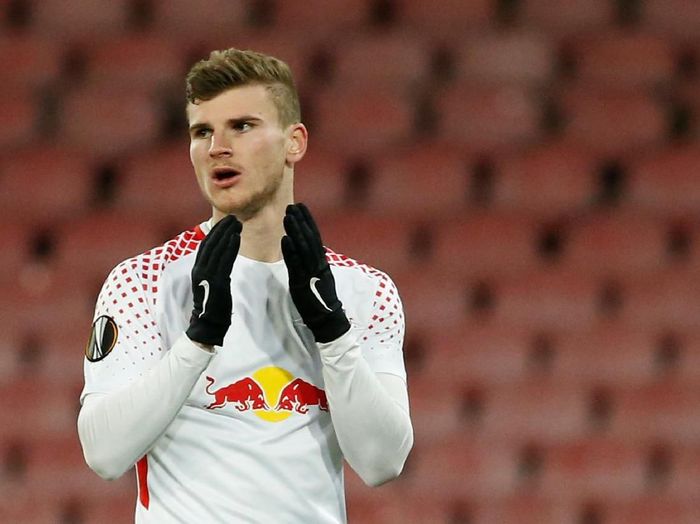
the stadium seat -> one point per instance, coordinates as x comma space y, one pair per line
665, 180
434, 405
15, 247
485, 243
488, 353
454, 17
567, 17
653, 509
381, 242
523, 508
320, 180
137, 62
318, 19
613, 121
93, 245
420, 181
107, 123
678, 19
487, 117
357, 121
460, 466
21, 113
666, 301
160, 184
548, 179
683, 479
536, 410
397, 58
689, 370
29, 61
521, 58
211, 19
623, 60
62, 180
547, 300
662, 411
77, 19
616, 244
594, 468
607, 355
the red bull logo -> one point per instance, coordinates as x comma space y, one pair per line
270, 386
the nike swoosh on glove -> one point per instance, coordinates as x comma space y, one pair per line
211, 283
311, 282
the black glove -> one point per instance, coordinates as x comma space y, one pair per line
211, 283
311, 282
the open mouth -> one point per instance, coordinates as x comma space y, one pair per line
225, 175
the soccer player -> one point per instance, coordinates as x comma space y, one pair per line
239, 363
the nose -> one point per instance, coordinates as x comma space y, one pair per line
219, 146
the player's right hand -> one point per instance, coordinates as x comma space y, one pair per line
211, 283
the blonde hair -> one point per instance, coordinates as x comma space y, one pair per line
229, 68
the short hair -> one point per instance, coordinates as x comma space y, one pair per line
229, 68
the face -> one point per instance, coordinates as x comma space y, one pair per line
242, 156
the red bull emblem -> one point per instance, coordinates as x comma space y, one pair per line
271, 386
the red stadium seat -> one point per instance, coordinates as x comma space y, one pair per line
613, 121
381, 242
460, 466
142, 62
357, 121
677, 18
546, 412
683, 478
689, 370
160, 184
453, 17
607, 355
107, 123
487, 117
666, 180
77, 19
60, 179
594, 468
321, 18
568, 16
211, 18
520, 58
93, 245
382, 59
663, 411
487, 353
617, 244
547, 179
666, 301
29, 61
21, 115
320, 180
547, 300
624, 60
486, 244
420, 181
523, 508
435, 407
15, 247
653, 509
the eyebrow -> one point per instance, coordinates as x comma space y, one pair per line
230, 121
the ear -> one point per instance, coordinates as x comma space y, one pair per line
297, 140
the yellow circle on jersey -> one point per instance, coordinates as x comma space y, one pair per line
272, 379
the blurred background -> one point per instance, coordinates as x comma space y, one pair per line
527, 171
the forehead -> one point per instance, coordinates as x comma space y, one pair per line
249, 100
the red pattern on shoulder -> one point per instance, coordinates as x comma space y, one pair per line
150, 265
387, 321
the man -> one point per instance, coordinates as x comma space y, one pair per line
240, 362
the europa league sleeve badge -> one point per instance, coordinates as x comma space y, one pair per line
103, 338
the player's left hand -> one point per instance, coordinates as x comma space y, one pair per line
311, 282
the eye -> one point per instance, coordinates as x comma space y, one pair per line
242, 126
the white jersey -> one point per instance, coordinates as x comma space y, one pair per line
254, 441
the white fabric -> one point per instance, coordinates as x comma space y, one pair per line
255, 458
